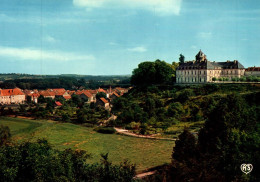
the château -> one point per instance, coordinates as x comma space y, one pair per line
201, 70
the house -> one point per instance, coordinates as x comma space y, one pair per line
60, 92
120, 91
12, 96
202, 70
34, 97
58, 104
252, 71
114, 95
47, 94
86, 96
102, 102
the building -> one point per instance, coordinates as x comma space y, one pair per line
252, 71
202, 70
12, 96
102, 102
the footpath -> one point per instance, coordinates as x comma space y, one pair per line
126, 132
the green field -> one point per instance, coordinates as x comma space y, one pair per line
145, 153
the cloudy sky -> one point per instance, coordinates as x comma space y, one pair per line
111, 37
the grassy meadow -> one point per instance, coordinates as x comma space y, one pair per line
145, 153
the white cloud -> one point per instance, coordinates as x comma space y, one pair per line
193, 47
138, 49
37, 54
49, 38
113, 43
205, 35
65, 19
161, 7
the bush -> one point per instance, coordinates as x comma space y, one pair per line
214, 79
133, 126
242, 79
5, 135
105, 130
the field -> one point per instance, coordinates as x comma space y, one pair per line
145, 153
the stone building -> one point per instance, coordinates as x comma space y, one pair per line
252, 71
202, 71
12, 96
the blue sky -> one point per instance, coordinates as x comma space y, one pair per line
111, 37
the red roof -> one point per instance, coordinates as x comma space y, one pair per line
58, 91
78, 92
9, 92
115, 94
71, 92
87, 93
46, 93
104, 100
58, 103
101, 90
92, 91
253, 69
35, 95
67, 97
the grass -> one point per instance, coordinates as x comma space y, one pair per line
177, 129
145, 153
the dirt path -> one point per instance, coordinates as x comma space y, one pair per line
142, 175
126, 132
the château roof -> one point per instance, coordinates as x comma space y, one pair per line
211, 65
205, 64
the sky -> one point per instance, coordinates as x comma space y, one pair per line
111, 37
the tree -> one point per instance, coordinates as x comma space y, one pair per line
181, 59
229, 137
100, 95
5, 135
149, 73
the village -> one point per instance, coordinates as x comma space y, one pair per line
18, 96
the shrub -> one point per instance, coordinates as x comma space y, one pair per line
105, 130
220, 79
242, 79
214, 79
5, 135
133, 126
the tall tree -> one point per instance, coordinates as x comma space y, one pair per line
181, 59
149, 73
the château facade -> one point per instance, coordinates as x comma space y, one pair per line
202, 71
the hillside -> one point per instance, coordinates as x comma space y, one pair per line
145, 153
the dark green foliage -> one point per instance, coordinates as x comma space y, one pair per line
5, 135
229, 138
175, 110
181, 59
184, 95
39, 162
100, 95
149, 73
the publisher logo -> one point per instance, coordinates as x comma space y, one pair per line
246, 168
